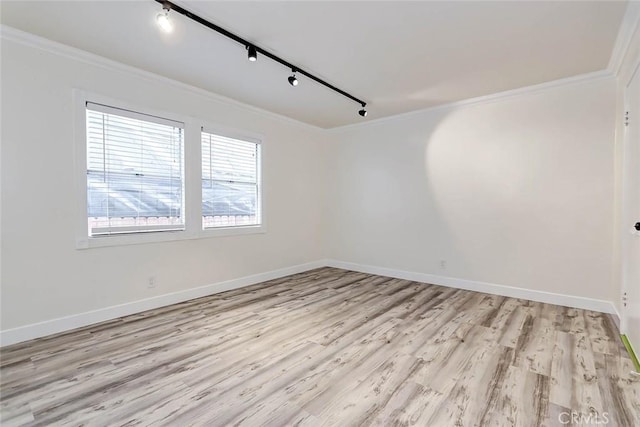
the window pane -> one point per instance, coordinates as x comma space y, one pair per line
134, 174
230, 190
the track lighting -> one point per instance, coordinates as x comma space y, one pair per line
253, 54
252, 51
293, 81
163, 21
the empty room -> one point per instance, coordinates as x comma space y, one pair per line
320, 213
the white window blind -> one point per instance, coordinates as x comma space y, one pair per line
230, 181
135, 172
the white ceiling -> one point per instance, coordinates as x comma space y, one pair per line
397, 56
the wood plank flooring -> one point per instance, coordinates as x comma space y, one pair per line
329, 347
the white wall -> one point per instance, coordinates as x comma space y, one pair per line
45, 277
515, 192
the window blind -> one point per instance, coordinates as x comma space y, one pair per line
230, 181
135, 172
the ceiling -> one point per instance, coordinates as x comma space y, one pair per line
397, 56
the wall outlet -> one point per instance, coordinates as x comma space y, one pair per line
151, 283
443, 264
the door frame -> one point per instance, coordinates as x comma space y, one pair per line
627, 210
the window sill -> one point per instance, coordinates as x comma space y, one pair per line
165, 236
232, 231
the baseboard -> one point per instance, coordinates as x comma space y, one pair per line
62, 324
489, 288
615, 315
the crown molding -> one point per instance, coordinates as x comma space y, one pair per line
28, 39
485, 99
629, 24
628, 27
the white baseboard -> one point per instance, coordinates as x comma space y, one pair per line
62, 324
489, 288
615, 314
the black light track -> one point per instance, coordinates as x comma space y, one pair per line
176, 8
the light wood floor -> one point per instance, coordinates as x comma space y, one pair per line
328, 347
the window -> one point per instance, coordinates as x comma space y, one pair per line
135, 172
139, 179
230, 182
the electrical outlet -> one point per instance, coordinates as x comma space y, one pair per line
443, 264
151, 283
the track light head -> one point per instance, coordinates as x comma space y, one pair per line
363, 112
293, 81
163, 21
252, 55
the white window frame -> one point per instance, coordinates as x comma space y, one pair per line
243, 136
136, 115
192, 178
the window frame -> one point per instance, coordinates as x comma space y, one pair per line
247, 137
147, 118
193, 228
